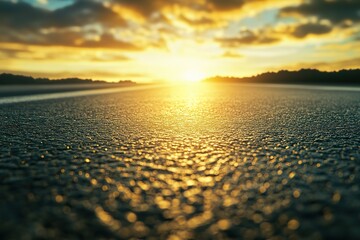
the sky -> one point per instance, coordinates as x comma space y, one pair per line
176, 40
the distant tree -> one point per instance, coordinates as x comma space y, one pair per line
12, 79
303, 76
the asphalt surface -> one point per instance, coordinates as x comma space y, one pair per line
203, 161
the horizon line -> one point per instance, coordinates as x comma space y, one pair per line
163, 81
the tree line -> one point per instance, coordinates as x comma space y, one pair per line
303, 76
12, 79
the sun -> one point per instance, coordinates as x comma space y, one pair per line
193, 76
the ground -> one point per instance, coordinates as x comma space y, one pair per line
205, 161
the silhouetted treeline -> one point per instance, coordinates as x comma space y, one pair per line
12, 79
303, 76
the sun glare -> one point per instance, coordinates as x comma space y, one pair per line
193, 76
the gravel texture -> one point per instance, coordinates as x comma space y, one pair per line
205, 161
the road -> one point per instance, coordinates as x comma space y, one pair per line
206, 161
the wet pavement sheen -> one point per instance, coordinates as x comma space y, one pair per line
204, 161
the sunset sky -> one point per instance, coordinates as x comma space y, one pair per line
157, 40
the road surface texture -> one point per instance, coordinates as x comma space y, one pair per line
203, 161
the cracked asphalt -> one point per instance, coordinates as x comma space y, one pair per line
205, 161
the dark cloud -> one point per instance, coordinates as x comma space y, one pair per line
335, 11
148, 7
68, 39
143, 7
70, 26
23, 23
224, 5
108, 41
269, 35
304, 30
23, 36
85, 12
248, 37
339, 13
24, 16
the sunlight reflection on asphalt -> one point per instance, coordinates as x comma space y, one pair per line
70, 94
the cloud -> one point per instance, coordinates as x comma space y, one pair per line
11, 52
24, 16
226, 5
107, 41
231, 55
67, 38
69, 26
322, 17
203, 21
272, 34
336, 11
33, 53
14, 17
248, 37
83, 13
303, 30
143, 7
109, 58
22, 23
202, 11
